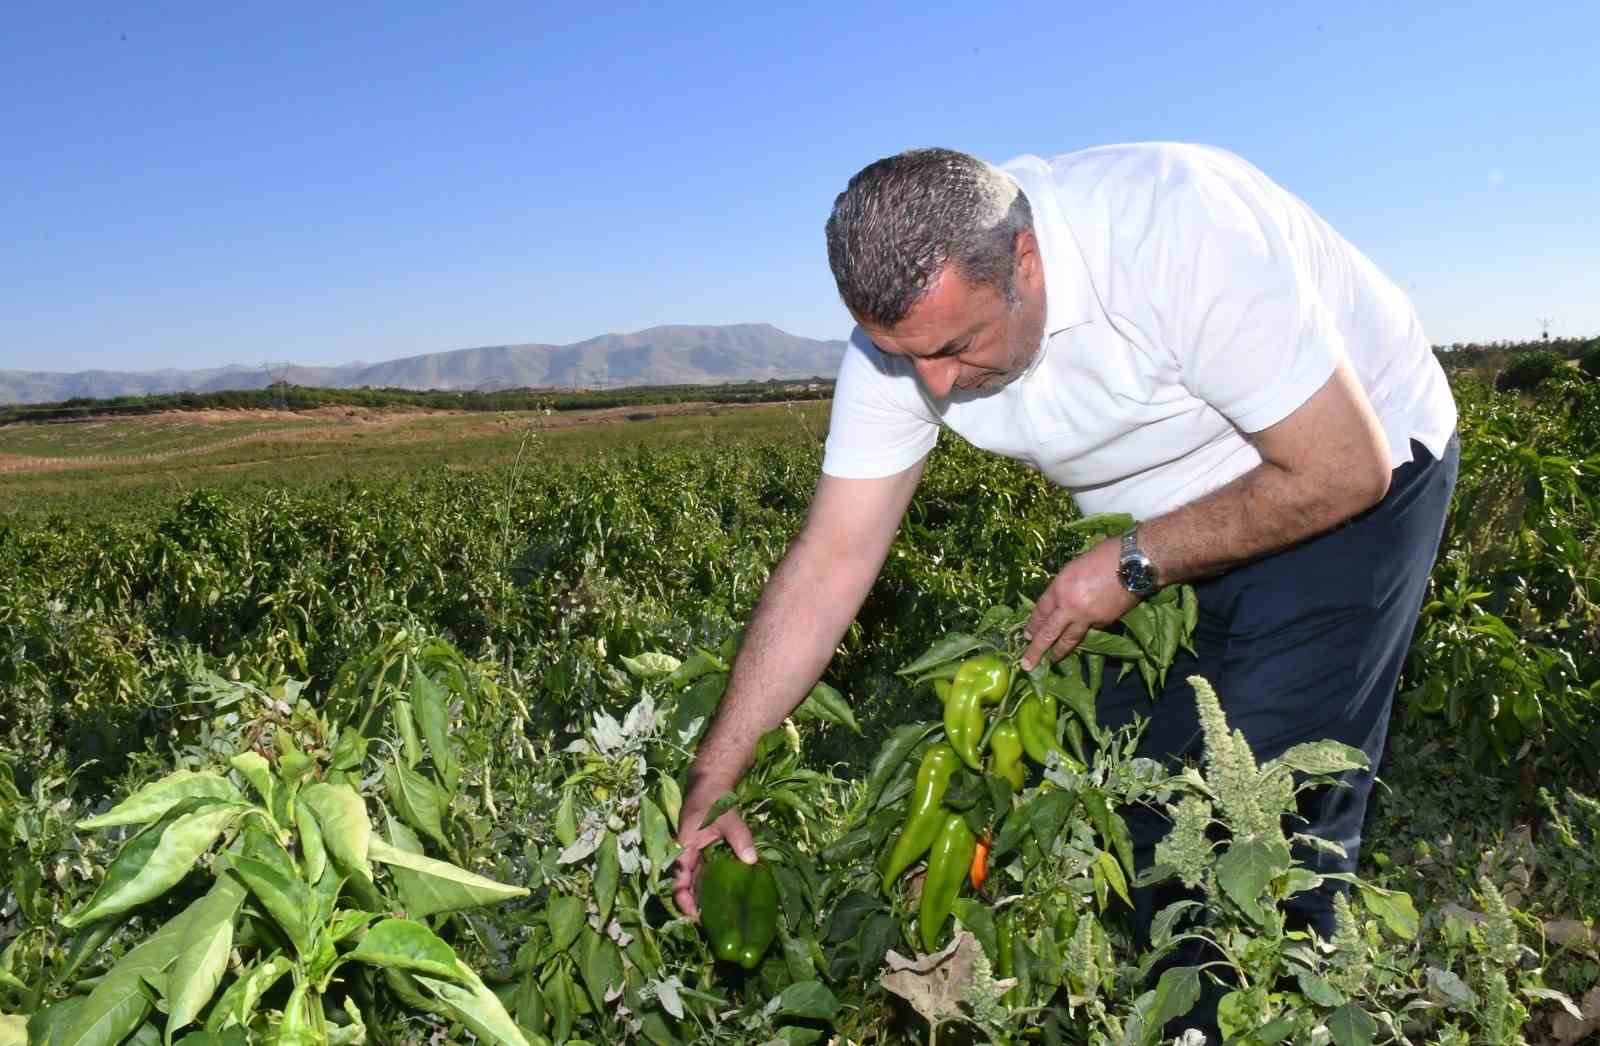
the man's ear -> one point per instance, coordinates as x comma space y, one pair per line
1025, 253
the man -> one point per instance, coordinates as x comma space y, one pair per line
1163, 331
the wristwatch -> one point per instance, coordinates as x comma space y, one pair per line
1134, 569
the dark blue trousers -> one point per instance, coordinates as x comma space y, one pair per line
1302, 645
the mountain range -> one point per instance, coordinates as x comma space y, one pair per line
673, 355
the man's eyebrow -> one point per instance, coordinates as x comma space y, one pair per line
950, 348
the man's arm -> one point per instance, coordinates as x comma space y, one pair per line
808, 602
1322, 464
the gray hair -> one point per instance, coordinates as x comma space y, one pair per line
903, 218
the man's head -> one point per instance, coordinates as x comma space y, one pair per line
935, 256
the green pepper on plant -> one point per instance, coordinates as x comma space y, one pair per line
1005, 753
738, 908
927, 814
948, 864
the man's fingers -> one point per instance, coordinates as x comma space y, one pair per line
1068, 641
737, 834
687, 865
1045, 628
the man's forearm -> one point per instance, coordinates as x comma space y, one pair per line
1264, 510
803, 612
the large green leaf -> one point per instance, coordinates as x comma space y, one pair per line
810, 1000
1320, 757
1350, 1025
346, 829
437, 886
313, 853
565, 916
474, 1005
1246, 869
418, 800
1395, 908
119, 1002
431, 703
286, 898
827, 705
651, 665
154, 861
198, 970
151, 802
946, 648
238, 1004
13, 1030
607, 874
253, 767
601, 967
403, 944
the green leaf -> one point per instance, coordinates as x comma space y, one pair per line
201, 964
650, 665
313, 854
976, 917
1318, 990
654, 834
565, 916
700, 663
1106, 865
1247, 868
948, 648
154, 861
601, 967
1107, 644
253, 767
13, 1030
346, 830
1395, 908
1350, 1025
437, 886
475, 1006
827, 705
607, 872
406, 945
431, 704
810, 1000
152, 802
1320, 757
288, 900
49, 1025
119, 1002
237, 1007
418, 801
1173, 996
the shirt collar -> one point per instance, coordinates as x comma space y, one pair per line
1069, 296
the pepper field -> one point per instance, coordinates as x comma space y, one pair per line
397, 757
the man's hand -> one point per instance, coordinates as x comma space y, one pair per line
730, 827
1086, 594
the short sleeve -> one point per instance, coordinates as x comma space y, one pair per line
880, 425
1236, 300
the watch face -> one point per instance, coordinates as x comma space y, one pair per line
1137, 575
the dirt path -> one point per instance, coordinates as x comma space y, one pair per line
340, 422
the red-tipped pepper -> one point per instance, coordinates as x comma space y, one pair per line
927, 814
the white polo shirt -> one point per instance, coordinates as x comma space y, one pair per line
1188, 299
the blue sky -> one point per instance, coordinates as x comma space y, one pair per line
193, 184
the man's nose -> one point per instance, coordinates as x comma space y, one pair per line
938, 375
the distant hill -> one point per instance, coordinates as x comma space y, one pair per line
676, 355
